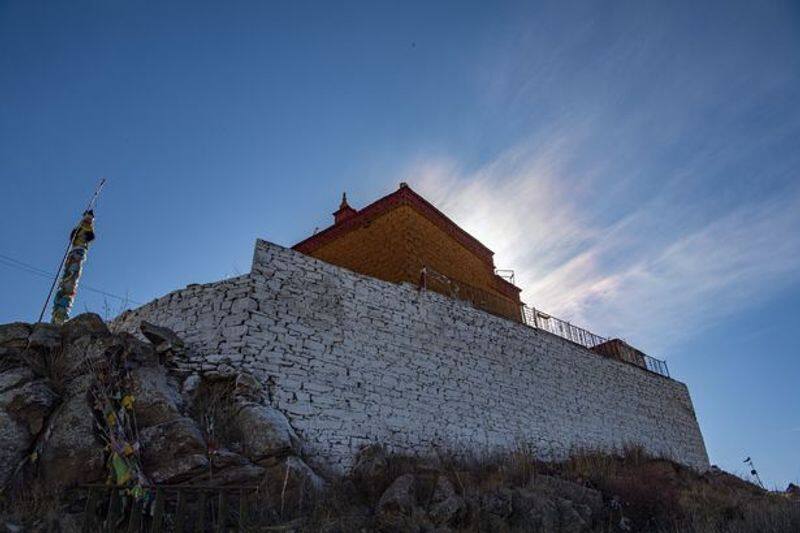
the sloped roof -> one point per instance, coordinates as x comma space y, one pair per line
402, 196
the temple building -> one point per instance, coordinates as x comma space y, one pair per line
403, 238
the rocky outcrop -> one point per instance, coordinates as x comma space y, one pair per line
51, 429
220, 428
15, 436
434, 498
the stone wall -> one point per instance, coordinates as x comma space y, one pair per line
353, 360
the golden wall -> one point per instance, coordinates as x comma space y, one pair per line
395, 245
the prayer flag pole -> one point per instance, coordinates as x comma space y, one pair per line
72, 263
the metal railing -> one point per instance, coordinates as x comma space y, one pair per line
430, 279
538, 319
658, 366
541, 320
505, 273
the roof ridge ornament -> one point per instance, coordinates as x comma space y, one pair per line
344, 212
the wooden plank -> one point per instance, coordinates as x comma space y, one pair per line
242, 511
158, 511
90, 513
113, 511
201, 513
180, 511
223, 512
135, 520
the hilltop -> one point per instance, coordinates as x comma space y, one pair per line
80, 404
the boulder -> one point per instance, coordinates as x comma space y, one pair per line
446, 506
25, 404
228, 468
173, 451
163, 339
399, 498
499, 502
71, 453
30, 404
84, 324
190, 384
134, 351
543, 511
290, 482
247, 387
370, 470
45, 337
14, 378
14, 436
156, 399
534, 510
15, 335
572, 517
78, 359
265, 432
566, 489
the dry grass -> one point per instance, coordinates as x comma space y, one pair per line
51, 365
649, 494
32, 508
212, 406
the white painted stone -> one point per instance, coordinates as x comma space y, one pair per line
357, 360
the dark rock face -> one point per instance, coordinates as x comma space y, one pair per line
292, 478
561, 488
163, 339
49, 417
45, 337
428, 500
14, 436
29, 403
400, 497
173, 451
85, 324
157, 397
265, 432
446, 505
71, 454
370, 464
14, 336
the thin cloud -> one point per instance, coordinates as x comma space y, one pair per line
650, 193
655, 273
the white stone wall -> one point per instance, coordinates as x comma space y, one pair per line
353, 360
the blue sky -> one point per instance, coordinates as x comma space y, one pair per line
636, 163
